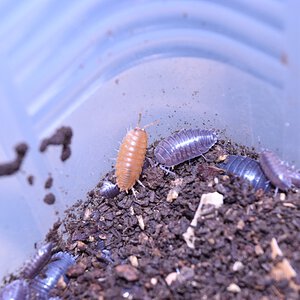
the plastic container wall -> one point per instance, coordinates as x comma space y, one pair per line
94, 65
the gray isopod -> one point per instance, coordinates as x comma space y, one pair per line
277, 171
248, 169
109, 189
37, 263
58, 266
184, 145
16, 290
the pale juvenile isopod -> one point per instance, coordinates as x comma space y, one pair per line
248, 169
38, 261
281, 175
131, 157
184, 145
109, 189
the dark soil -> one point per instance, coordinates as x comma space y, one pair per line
12, 167
133, 247
48, 183
49, 199
63, 137
30, 179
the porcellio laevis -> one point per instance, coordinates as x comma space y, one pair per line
39, 260
277, 171
184, 145
131, 157
247, 168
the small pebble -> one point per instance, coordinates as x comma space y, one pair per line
282, 196
258, 250
153, 281
76, 270
127, 272
240, 225
233, 288
171, 278
134, 261
237, 266
81, 246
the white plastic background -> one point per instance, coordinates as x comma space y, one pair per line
94, 65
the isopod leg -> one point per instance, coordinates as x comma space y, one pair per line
134, 192
167, 170
140, 183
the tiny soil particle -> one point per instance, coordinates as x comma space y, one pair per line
48, 183
63, 137
30, 179
49, 199
12, 167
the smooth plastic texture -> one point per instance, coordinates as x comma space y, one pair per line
94, 65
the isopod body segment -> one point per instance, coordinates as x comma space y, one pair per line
247, 168
131, 157
184, 145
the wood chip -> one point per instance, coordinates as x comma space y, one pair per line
291, 205
215, 199
258, 250
172, 195
87, 214
283, 270
171, 278
131, 210
240, 225
233, 288
177, 185
141, 221
221, 158
134, 261
275, 249
189, 237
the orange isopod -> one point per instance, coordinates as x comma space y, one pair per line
131, 157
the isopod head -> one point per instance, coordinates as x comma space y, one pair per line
276, 170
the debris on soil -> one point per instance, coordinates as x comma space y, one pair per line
48, 182
12, 167
213, 199
282, 269
63, 137
49, 199
176, 187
